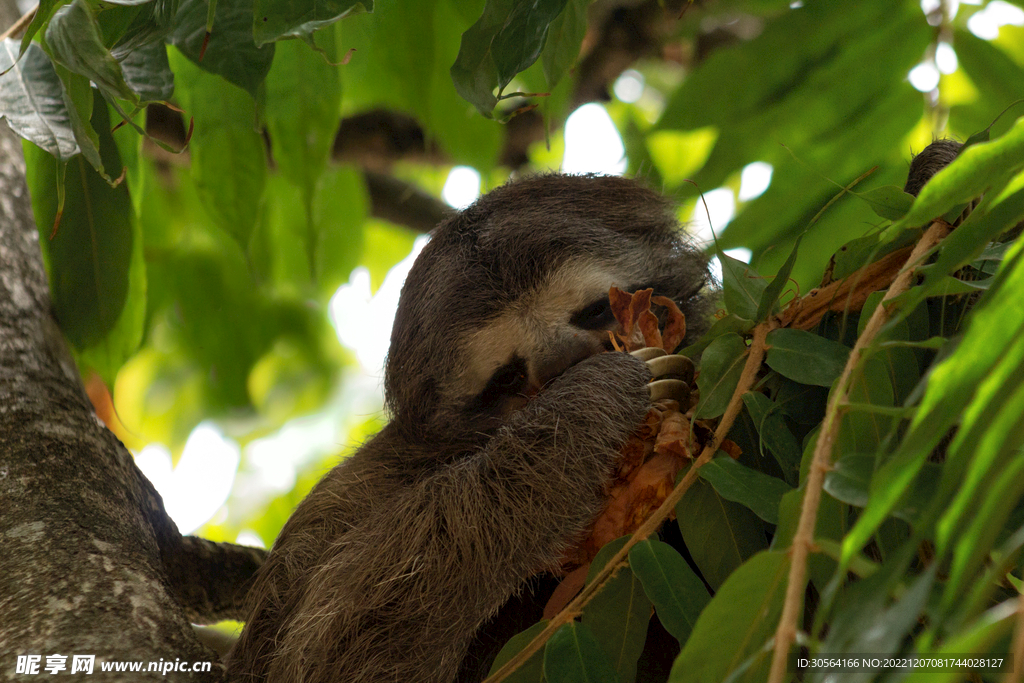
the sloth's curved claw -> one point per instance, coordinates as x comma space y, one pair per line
672, 367
648, 353
674, 389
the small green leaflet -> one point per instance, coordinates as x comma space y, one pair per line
755, 490
506, 39
805, 357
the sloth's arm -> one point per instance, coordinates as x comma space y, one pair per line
399, 596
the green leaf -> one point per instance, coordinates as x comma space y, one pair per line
277, 19
231, 51
742, 288
573, 655
43, 12
228, 158
862, 431
565, 37
849, 479
805, 357
737, 622
720, 370
74, 40
730, 323
303, 110
506, 39
78, 98
774, 433
90, 257
532, 670
31, 99
982, 636
151, 23
341, 206
992, 340
719, 534
889, 202
755, 490
404, 53
148, 73
619, 614
678, 594
1000, 450
774, 290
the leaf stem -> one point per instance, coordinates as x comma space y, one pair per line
803, 539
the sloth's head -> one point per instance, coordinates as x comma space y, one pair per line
513, 290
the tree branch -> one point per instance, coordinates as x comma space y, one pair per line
803, 539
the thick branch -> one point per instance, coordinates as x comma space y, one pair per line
210, 580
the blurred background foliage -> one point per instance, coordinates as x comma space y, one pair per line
276, 186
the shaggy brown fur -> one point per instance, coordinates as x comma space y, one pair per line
389, 567
930, 161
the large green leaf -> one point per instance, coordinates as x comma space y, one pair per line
719, 534
506, 39
78, 98
574, 655
90, 256
532, 670
565, 37
737, 622
148, 73
805, 357
742, 287
340, 208
403, 54
303, 110
618, 615
277, 19
991, 341
228, 157
330, 232
231, 51
31, 99
677, 593
755, 490
720, 370
74, 41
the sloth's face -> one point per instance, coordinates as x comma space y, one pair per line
562, 321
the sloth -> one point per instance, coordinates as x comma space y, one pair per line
506, 420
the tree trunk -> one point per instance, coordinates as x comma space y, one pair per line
90, 564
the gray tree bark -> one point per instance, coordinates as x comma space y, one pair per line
90, 564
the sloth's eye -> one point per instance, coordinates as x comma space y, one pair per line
596, 316
508, 378
507, 381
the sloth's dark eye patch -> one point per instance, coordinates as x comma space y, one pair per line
508, 380
595, 316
